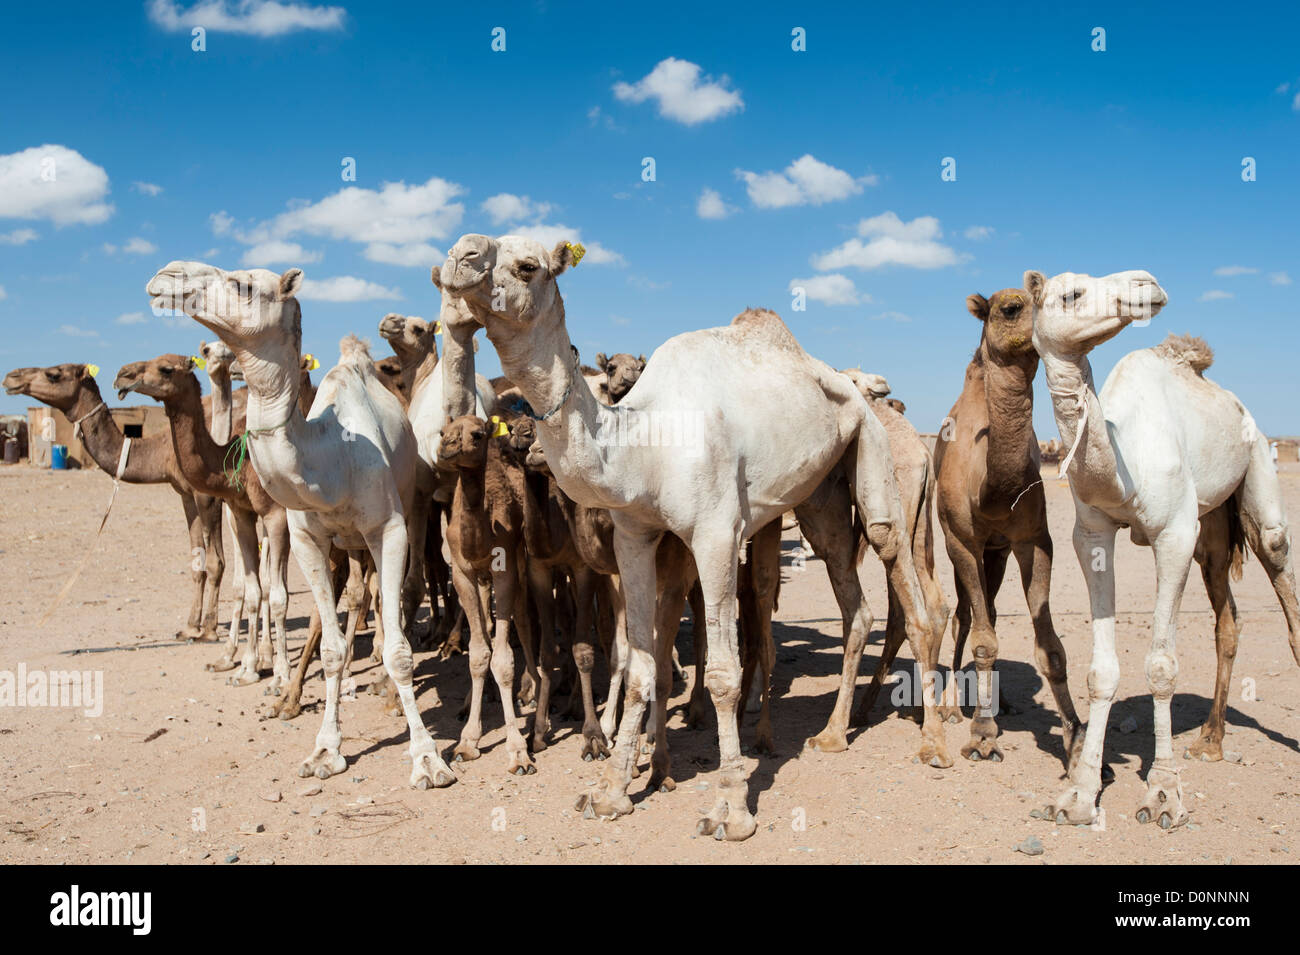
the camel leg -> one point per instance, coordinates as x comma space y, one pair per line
413, 583
695, 706
312, 554
895, 636
509, 596
290, 703
1214, 553
826, 519
969, 568
480, 658
1094, 544
765, 577
541, 580
246, 533
388, 546
585, 582
951, 708
214, 563
265, 641
277, 548
675, 575
1035, 560
716, 559
198, 569
229, 659
618, 660
635, 553
1173, 548
1263, 519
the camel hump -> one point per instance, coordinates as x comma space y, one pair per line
354, 351
762, 323
1187, 350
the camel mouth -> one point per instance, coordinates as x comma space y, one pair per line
14, 389
391, 326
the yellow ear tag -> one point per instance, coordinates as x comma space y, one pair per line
198, 362
437, 328
578, 250
501, 429
312, 363
94, 370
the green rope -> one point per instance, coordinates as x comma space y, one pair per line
239, 447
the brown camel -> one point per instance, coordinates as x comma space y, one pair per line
71, 389
991, 504
486, 539
621, 373
221, 470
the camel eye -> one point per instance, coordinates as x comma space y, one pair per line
1069, 298
528, 268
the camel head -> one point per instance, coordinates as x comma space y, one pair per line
523, 433
1073, 313
390, 372
57, 386
165, 378
412, 338
219, 361
254, 311
1008, 319
621, 372
464, 443
506, 280
871, 386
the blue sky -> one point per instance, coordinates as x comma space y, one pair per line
820, 168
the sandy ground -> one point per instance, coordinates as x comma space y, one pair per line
110, 789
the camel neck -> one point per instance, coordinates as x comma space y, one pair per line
102, 439
199, 456
1082, 423
458, 370
416, 370
222, 409
540, 362
1009, 398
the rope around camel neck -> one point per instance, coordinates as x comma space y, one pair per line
239, 447
76, 425
573, 376
1081, 396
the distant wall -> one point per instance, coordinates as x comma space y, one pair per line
47, 426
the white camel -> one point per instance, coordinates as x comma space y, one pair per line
1160, 448
346, 472
762, 450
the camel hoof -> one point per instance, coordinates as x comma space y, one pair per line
1075, 807
322, 764
1205, 750
1164, 800
464, 752
720, 833
950, 714
828, 742
597, 804
661, 784
524, 769
221, 666
429, 771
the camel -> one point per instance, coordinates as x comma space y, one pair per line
389, 371
71, 389
485, 535
914, 471
711, 500
346, 472
621, 373
992, 505
1159, 448
215, 469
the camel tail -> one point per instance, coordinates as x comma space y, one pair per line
354, 351
1236, 538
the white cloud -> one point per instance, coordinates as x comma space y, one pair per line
1230, 270
394, 223
891, 241
977, 232
77, 332
551, 235
345, 288
830, 290
711, 206
675, 85
1215, 294
131, 318
53, 182
3, 294
255, 17
276, 252
892, 317
133, 246
147, 188
18, 237
505, 206
1279, 278
1295, 103
806, 180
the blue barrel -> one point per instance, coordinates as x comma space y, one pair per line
59, 457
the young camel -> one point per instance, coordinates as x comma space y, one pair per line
621, 372
71, 389
486, 538
1159, 448
992, 505
215, 469
788, 441
346, 472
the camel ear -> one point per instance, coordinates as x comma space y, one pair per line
290, 283
601, 360
978, 306
566, 254
641, 359
1035, 284
436, 275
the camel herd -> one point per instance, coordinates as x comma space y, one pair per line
575, 517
